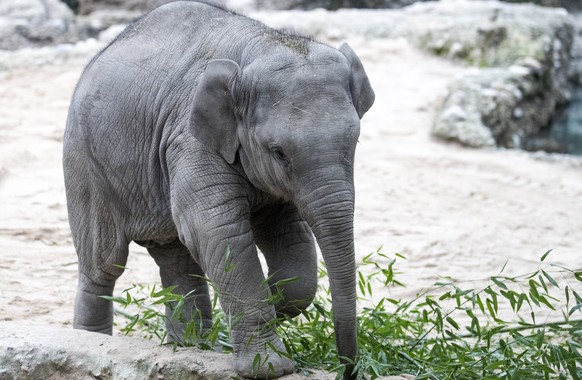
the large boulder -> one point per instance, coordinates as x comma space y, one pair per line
576, 53
43, 352
497, 107
523, 55
333, 4
88, 6
489, 33
33, 23
571, 5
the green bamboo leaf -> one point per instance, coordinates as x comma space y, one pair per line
361, 283
545, 301
178, 311
546, 255
119, 300
366, 259
575, 309
479, 302
490, 308
495, 365
540, 339
550, 279
510, 296
452, 322
128, 298
401, 256
499, 284
257, 361
320, 308
504, 265
286, 281
163, 292
445, 296
533, 290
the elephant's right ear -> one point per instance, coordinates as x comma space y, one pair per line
362, 93
213, 118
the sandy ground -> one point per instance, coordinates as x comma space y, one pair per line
451, 211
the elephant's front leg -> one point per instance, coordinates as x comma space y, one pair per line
223, 236
289, 248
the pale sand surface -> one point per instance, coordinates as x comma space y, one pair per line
451, 211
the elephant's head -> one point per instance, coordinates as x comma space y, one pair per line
294, 122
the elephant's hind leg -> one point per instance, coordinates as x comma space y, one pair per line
102, 257
178, 268
289, 248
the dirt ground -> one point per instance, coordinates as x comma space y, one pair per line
451, 211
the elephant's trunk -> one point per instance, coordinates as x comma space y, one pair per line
329, 210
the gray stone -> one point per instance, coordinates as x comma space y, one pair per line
51, 352
530, 47
576, 65
33, 23
44, 352
488, 33
333, 4
495, 107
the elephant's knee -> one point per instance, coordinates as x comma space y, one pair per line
294, 298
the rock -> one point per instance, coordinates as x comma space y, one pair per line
570, 5
34, 23
89, 6
517, 99
496, 107
576, 63
488, 33
49, 352
332, 4
136, 6
81, 52
43, 352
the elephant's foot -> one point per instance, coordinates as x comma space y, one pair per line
92, 312
265, 364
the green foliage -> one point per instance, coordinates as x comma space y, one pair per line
511, 327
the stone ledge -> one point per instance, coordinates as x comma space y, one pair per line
48, 352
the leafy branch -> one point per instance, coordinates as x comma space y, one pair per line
445, 332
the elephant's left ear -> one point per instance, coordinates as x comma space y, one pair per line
362, 93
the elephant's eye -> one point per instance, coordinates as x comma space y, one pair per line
279, 155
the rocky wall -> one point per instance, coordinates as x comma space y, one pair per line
522, 56
28, 23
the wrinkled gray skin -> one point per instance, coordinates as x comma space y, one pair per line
199, 129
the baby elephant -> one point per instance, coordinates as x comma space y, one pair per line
202, 134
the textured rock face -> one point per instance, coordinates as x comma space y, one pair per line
576, 63
488, 33
65, 354
571, 5
28, 23
333, 4
89, 6
58, 353
497, 107
524, 55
